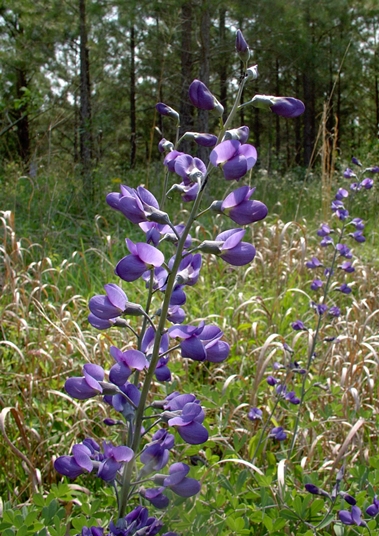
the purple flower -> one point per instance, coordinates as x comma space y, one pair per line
229, 246
87, 386
341, 194
367, 183
201, 138
344, 288
192, 170
287, 107
188, 423
349, 173
373, 509
201, 343
334, 311
165, 146
348, 498
163, 109
313, 263
114, 458
126, 361
374, 169
272, 381
189, 269
242, 47
121, 404
351, 518
112, 305
326, 241
358, 224
143, 257
278, 433
298, 325
321, 308
284, 106
239, 208
137, 522
316, 284
178, 481
137, 205
356, 161
234, 158
155, 455
92, 531
156, 497
358, 236
255, 414
344, 251
202, 98
170, 159
315, 490
324, 230
241, 134
77, 464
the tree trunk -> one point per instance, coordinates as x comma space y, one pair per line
223, 62
203, 115
133, 120
186, 110
85, 107
23, 133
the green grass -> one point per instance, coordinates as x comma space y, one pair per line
56, 256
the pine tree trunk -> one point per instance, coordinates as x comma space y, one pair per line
85, 107
203, 115
133, 120
186, 110
23, 133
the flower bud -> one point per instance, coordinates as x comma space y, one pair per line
202, 98
163, 109
242, 47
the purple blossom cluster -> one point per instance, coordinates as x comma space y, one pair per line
160, 332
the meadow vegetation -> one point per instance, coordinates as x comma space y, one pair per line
55, 257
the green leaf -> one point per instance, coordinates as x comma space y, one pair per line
38, 499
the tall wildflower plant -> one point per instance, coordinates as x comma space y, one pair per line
142, 470
292, 380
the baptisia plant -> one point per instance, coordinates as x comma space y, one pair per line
141, 469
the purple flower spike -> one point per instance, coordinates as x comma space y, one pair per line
163, 109
235, 159
255, 414
143, 257
243, 211
287, 107
202, 98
